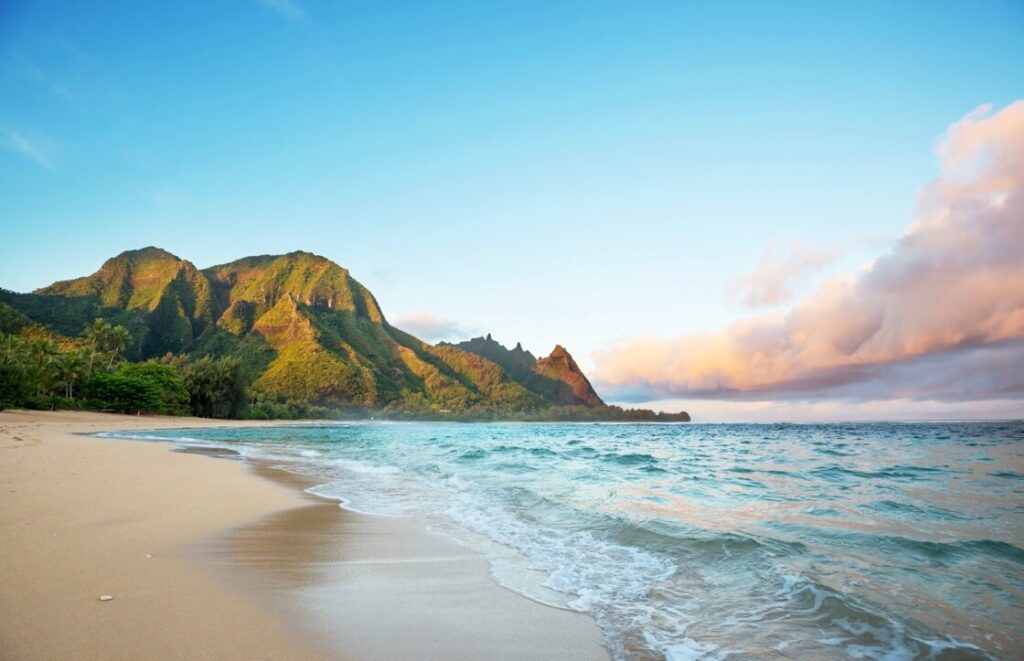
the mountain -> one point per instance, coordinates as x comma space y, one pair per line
164, 301
304, 329
557, 377
172, 299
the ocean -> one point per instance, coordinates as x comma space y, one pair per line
708, 541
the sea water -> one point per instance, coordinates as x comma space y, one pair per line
871, 541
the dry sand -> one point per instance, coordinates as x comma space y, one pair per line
205, 559
79, 517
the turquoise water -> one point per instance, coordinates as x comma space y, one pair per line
881, 541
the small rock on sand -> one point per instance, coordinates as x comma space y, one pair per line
106, 597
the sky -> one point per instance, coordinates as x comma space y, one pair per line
753, 211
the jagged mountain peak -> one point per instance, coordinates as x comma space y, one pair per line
560, 352
559, 365
556, 377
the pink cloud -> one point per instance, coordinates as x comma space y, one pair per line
954, 282
432, 328
775, 276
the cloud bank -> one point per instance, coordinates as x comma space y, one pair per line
938, 317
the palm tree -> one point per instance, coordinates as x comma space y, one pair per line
104, 338
95, 336
117, 340
69, 368
41, 353
12, 350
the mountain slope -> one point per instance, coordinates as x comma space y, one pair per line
163, 300
560, 366
333, 343
556, 378
304, 329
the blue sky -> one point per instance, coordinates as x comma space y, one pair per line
582, 173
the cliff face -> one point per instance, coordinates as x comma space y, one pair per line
557, 378
253, 285
560, 366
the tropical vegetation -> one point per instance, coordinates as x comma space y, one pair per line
270, 336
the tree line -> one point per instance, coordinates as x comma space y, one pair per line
90, 372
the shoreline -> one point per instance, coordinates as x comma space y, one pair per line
391, 589
88, 516
231, 559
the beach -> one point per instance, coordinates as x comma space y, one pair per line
209, 558
813, 541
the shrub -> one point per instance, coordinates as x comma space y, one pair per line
174, 396
114, 391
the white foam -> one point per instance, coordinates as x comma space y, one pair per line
361, 467
686, 649
607, 580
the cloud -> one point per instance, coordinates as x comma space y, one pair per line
32, 145
33, 72
289, 9
940, 316
773, 278
431, 328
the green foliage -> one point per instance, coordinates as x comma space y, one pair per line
114, 391
67, 316
69, 370
104, 343
174, 398
251, 349
270, 407
216, 387
14, 386
12, 321
36, 372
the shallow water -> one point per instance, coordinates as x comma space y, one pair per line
883, 540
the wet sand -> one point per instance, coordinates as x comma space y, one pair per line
212, 558
388, 588
84, 517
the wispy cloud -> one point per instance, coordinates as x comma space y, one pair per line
31, 144
43, 78
289, 9
776, 275
432, 328
940, 316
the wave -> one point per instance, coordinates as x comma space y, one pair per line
565, 513
629, 459
836, 473
860, 630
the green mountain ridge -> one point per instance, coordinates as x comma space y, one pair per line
303, 329
557, 377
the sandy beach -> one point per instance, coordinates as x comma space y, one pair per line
211, 558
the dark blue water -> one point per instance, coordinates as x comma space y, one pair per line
883, 541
